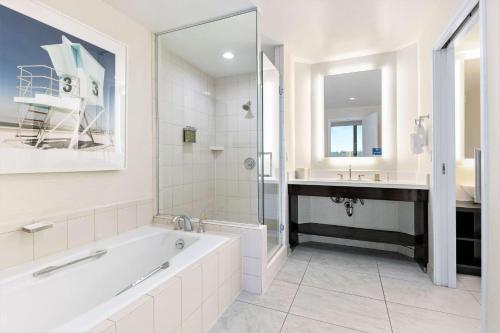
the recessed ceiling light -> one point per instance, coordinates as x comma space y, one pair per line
352, 98
228, 55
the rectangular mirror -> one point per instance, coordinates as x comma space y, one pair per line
353, 114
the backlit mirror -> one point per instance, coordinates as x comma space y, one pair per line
353, 114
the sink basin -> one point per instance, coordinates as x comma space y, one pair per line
469, 189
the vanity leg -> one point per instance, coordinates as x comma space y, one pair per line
293, 210
421, 234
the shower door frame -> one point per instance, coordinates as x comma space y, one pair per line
156, 128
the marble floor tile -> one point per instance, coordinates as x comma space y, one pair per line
401, 269
469, 282
302, 253
279, 296
292, 271
347, 261
248, 318
351, 282
340, 309
429, 296
476, 295
296, 324
407, 319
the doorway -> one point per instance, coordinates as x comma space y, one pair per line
456, 180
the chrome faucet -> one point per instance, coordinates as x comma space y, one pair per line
350, 172
186, 225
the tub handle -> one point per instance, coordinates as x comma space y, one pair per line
144, 278
50, 269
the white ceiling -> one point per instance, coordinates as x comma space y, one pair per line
161, 15
313, 30
365, 87
319, 30
204, 45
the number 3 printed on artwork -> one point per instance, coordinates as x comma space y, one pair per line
95, 88
67, 84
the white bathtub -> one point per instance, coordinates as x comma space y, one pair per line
78, 297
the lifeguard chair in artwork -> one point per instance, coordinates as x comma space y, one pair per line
53, 100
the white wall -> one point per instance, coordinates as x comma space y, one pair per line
27, 196
399, 108
387, 63
301, 141
407, 106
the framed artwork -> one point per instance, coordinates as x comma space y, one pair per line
62, 93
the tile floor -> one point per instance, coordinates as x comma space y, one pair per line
335, 289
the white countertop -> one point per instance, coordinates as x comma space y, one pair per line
401, 184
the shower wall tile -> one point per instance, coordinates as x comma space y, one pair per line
235, 129
186, 170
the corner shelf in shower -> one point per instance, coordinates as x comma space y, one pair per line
217, 148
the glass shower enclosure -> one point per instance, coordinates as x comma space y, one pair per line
214, 158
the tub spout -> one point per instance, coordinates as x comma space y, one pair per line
186, 225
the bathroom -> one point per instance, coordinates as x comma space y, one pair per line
248, 166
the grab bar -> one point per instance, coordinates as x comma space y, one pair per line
50, 269
144, 278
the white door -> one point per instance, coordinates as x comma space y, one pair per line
443, 161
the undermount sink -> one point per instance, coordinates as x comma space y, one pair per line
469, 189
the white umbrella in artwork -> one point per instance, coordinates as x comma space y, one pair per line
74, 82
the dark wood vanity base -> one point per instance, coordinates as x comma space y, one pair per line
420, 198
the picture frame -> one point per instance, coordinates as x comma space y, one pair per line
63, 93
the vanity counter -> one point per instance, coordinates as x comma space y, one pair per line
416, 193
360, 183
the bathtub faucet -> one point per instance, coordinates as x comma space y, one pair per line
186, 223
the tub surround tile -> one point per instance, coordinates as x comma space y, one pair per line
52, 240
144, 212
236, 284
106, 222
294, 324
224, 296
127, 217
167, 309
350, 282
107, 326
407, 319
193, 324
235, 254
137, 317
252, 284
224, 264
429, 296
249, 318
252, 266
15, 248
210, 312
210, 271
279, 296
80, 230
340, 309
191, 290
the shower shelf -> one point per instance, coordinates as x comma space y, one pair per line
217, 148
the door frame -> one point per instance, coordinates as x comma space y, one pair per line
443, 196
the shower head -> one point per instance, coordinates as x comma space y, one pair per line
247, 106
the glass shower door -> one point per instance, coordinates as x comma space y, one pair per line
269, 154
